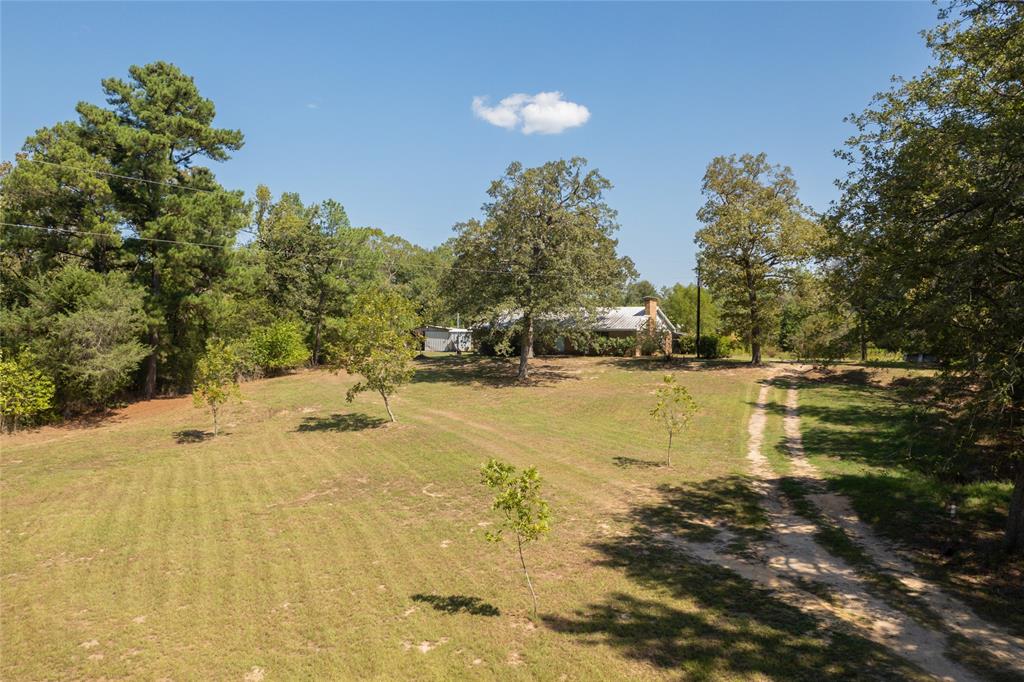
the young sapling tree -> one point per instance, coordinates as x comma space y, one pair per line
525, 514
674, 409
216, 380
376, 342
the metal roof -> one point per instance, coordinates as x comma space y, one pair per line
628, 318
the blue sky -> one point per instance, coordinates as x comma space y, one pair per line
371, 104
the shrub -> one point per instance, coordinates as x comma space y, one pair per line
276, 347
713, 346
25, 391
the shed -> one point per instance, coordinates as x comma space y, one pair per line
446, 339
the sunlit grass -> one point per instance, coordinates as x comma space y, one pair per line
311, 540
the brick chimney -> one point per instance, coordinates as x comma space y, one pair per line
651, 306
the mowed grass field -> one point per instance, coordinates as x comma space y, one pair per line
313, 541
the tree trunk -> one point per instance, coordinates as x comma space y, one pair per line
526, 348
529, 583
149, 389
387, 406
318, 327
755, 327
1014, 540
316, 344
668, 456
213, 408
863, 342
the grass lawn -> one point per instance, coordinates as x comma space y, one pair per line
312, 540
867, 432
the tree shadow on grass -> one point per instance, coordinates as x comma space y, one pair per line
485, 371
720, 625
635, 463
660, 364
352, 421
458, 603
191, 436
908, 472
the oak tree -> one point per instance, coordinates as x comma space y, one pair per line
755, 230
544, 248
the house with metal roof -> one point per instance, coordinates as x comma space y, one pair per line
613, 322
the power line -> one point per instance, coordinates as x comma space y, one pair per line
74, 231
107, 234
181, 186
118, 175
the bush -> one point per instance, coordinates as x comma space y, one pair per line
712, 346
276, 347
25, 391
496, 341
594, 345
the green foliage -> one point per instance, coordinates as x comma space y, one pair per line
674, 407
25, 390
649, 338
525, 514
636, 291
277, 346
927, 239
313, 260
713, 346
417, 274
613, 346
376, 342
156, 127
679, 303
215, 381
83, 327
755, 230
544, 248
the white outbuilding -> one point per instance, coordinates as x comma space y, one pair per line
446, 339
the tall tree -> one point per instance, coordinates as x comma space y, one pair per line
679, 302
544, 247
635, 292
128, 173
932, 216
755, 229
314, 259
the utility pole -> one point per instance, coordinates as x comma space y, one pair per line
697, 341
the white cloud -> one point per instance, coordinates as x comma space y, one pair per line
312, 105
546, 113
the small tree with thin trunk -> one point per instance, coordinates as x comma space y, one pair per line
525, 513
376, 341
674, 409
215, 381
